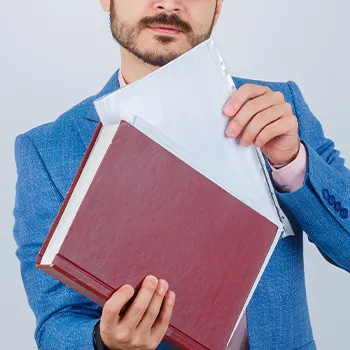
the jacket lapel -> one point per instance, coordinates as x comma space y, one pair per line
86, 118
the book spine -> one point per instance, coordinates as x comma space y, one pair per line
78, 279
183, 341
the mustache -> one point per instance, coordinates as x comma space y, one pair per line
162, 18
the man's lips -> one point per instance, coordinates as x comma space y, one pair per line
166, 29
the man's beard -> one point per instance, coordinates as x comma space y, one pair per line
126, 36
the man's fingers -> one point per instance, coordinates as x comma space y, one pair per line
137, 309
247, 113
259, 122
244, 93
111, 309
250, 110
154, 307
280, 127
162, 323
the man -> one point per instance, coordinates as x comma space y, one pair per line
311, 183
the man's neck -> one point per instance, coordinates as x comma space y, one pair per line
133, 68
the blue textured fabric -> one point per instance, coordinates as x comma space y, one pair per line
47, 159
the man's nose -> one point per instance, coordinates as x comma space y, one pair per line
169, 6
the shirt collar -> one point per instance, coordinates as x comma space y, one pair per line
122, 82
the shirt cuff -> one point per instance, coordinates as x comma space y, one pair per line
291, 177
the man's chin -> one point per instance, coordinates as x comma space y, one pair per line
164, 49
156, 40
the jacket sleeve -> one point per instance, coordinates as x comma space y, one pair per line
64, 318
321, 205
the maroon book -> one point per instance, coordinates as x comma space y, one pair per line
148, 212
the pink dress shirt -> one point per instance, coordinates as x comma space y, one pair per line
291, 177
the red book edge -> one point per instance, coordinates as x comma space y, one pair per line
68, 196
84, 283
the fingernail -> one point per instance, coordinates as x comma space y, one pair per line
152, 279
171, 296
129, 287
230, 132
228, 109
163, 285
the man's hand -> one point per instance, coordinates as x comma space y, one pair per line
265, 120
146, 320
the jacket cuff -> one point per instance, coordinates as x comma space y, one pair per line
318, 215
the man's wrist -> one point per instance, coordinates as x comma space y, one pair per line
280, 166
98, 342
291, 177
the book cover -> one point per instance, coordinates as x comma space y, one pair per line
148, 212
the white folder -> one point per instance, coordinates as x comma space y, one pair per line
180, 106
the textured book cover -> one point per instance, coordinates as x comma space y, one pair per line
148, 212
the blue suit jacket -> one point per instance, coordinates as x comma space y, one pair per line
47, 159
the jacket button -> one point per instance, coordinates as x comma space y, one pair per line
325, 193
331, 200
337, 206
344, 213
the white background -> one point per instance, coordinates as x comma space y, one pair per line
56, 53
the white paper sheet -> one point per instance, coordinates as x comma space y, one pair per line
189, 115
